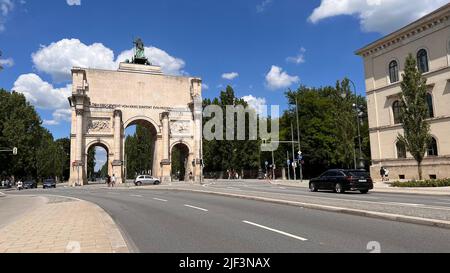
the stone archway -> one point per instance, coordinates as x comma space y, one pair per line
138, 162
93, 145
104, 103
181, 159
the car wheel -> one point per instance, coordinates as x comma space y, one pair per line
313, 187
364, 192
157, 183
139, 183
338, 188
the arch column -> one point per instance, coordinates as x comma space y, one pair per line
117, 164
165, 162
78, 174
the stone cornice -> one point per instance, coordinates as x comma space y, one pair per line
397, 84
399, 126
429, 21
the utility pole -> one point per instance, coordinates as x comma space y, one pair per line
288, 161
358, 125
299, 139
273, 165
293, 152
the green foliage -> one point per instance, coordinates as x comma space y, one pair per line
38, 155
423, 184
414, 112
327, 127
91, 163
230, 154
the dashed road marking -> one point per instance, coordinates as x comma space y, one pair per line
159, 199
276, 231
197, 208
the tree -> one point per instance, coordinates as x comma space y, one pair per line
139, 149
91, 163
238, 155
20, 126
414, 112
64, 144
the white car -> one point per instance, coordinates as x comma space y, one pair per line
146, 180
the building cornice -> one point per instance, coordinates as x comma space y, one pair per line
432, 20
399, 126
397, 84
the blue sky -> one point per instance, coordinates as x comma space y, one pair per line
260, 47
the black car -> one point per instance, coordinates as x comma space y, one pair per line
49, 183
341, 181
30, 184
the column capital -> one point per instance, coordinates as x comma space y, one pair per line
165, 115
117, 113
79, 112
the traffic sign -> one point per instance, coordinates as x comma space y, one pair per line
15, 151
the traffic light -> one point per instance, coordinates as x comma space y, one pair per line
15, 151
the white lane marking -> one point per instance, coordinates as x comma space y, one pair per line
405, 204
442, 203
277, 231
197, 208
283, 188
136, 195
234, 188
158, 199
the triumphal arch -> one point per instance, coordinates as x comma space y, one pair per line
104, 103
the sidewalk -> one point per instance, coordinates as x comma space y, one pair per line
63, 225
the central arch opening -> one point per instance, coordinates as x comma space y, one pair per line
98, 165
180, 163
139, 154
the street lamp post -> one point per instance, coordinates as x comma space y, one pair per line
356, 106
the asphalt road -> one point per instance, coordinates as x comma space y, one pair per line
387, 198
179, 222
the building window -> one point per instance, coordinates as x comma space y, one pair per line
422, 61
393, 71
396, 112
432, 148
430, 105
401, 150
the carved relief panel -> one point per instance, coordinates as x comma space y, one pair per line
99, 125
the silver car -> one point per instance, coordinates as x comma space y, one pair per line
146, 180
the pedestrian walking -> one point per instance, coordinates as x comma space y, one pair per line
386, 174
108, 180
113, 180
20, 185
382, 173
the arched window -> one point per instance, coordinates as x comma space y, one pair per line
401, 150
396, 112
422, 61
393, 71
432, 148
430, 106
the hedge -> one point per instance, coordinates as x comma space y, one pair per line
423, 184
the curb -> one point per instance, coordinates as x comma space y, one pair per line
115, 234
412, 192
370, 214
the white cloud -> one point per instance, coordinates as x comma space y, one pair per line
263, 5
205, 86
382, 16
58, 58
169, 64
230, 76
59, 115
7, 62
299, 59
42, 94
259, 104
6, 6
74, 2
277, 78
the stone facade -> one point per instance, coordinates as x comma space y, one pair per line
104, 103
430, 34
